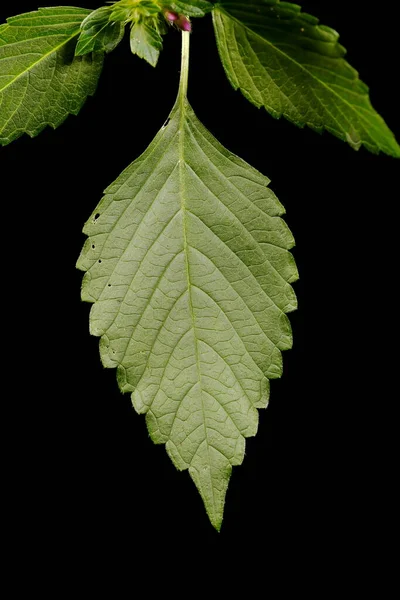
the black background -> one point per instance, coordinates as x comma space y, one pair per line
84, 484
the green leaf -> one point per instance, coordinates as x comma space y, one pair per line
188, 267
98, 34
126, 10
191, 8
120, 13
284, 60
41, 81
146, 41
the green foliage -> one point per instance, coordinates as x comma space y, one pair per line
121, 12
146, 41
190, 8
128, 11
104, 28
188, 267
187, 261
41, 81
284, 60
98, 34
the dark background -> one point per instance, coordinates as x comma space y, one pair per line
84, 484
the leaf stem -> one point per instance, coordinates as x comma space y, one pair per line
183, 85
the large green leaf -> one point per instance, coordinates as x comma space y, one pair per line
41, 81
284, 60
188, 267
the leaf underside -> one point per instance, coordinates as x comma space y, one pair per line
282, 59
41, 81
188, 267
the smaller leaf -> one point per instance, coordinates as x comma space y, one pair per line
126, 10
120, 13
191, 8
146, 41
148, 8
98, 33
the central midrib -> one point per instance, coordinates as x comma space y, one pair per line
181, 162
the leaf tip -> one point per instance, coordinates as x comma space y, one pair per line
215, 515
216, 523
396, 150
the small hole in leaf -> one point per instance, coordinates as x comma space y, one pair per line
93, 246
99, 260
109, 285
96, 216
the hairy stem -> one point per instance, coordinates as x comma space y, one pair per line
183, 85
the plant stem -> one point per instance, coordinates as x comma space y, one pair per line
183, 85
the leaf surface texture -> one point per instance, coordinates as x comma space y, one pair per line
41, 81
284, 60
187, 263
98, 34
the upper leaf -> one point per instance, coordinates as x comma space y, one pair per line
98, 34
284, 60
191, 8
188, 267
41, 81
146, 40
128, 11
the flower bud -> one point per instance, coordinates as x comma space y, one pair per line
183, 23
171, 16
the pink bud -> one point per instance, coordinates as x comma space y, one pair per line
171, 16
184, 23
